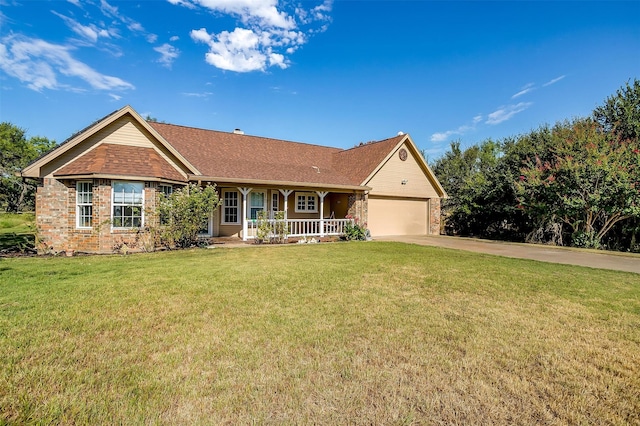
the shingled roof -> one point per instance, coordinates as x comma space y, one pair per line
110, 159
358, 162
215, 156
224, 155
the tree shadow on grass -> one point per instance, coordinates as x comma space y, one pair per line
12, 243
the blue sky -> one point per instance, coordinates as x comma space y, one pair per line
327, 72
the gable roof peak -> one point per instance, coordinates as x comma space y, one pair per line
395, 139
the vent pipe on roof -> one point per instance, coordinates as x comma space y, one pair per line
238, 132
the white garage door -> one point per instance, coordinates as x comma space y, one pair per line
393, 216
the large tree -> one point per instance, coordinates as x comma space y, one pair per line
620, 113
482, 199
16, 152
588, 180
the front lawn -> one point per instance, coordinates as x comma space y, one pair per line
344, 333
17, 233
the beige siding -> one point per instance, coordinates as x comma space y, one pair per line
339, 205
394, 216
229, 230
124, 131
388, 180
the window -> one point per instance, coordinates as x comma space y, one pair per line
166, 190
306, 202
127, 204
230, 212
275, 202
84, 204
257, 203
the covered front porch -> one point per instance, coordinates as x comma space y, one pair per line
246, 212
299, 228
304, 201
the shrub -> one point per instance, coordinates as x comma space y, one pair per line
184, 213
354, 231
274, 232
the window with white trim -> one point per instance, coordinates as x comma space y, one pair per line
166, 190
257, 203
127, 204
230, 207
306, 202
84, 204
275, 202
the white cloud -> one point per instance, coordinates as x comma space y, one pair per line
505, 113
265, 38
526, 89
109, 10
174, 38
185, 3
555, 80
41, 64
168, 54
443, 136
131, 24
88, 32
261, 12
115, 97
197, 95
236, 51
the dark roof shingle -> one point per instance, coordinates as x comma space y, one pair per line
112, 159
358, 162
231, 155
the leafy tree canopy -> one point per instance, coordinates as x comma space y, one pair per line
590, 181
16, 152
576, 182
620, 113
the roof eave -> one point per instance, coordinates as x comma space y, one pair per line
278, 183
118, 177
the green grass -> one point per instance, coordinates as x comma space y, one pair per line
345, 333
17, 231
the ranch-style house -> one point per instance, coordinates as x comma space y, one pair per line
114, 171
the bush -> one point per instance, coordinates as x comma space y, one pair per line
184, 213
274, 232
353, 231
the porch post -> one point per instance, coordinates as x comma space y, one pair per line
245, 192
321, 195
285, 193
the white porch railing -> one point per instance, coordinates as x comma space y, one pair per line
303, 227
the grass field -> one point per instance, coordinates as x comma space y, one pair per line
344, 333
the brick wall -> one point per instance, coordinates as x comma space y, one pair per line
359, 207
52, 215
434, 216
56, 218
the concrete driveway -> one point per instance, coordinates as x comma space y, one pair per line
570, 256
